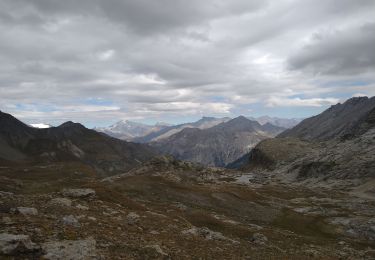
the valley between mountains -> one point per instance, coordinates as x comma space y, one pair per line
218, 188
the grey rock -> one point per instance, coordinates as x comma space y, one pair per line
157, 250
6, 194
64, 202
91, 218
181, 206
70, 249
132, 218
156, 214
312, 252
70, 221
254, 226
206, 234
315, 211
82, 207
7, 220
341, 221
27, 211
259, 239
17, 244
78, 193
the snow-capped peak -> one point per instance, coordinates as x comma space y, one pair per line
40, 125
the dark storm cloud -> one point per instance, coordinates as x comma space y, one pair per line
340, 52
143, 16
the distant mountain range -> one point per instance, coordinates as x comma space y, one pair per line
142, 133
128, 130
281, 122
337, 142
203, 123
217, 145
209, 141
68, 142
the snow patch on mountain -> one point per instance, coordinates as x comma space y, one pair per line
40, 125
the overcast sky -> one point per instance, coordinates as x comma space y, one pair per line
98, 61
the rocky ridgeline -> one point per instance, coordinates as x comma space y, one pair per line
68, 142
335, 149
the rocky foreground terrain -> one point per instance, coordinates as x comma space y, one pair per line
168, 209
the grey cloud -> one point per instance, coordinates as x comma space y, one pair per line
341, 52
174, 51
143, 16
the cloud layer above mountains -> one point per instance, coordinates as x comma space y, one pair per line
94, 60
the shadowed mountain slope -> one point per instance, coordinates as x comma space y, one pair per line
68, 142
337, 144
337, 121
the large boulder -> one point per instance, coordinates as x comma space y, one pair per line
132, 218
27, 211
70, 221
70, 249
259, 239
61, 202
17, 245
